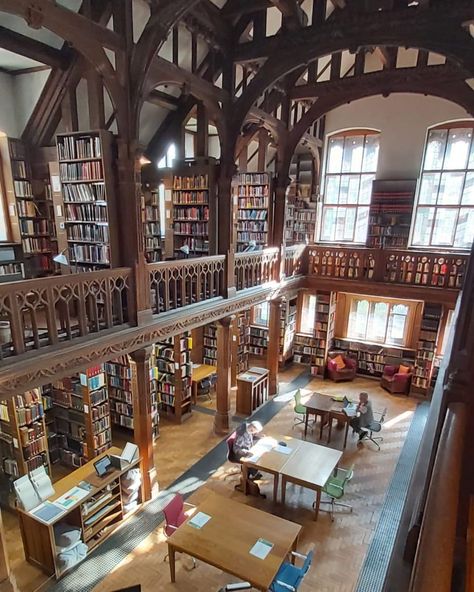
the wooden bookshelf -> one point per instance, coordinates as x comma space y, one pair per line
304, 349
289, 223
194, 208
243, 341
304, 223
209, 344
258, 342
390, 214
12, 266
171, 369
426, 352
288, 313
88, 191
152, 228
253, 194
323, 330
23, 439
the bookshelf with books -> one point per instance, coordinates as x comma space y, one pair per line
87, 182
194, 208
289, 223
23, 440
11, 263
304, 349
243, 341
152, 227
171, 376
209, 344
304, 224
253, 194
390, 214
323, 329
426, 351
288, 310
258, 340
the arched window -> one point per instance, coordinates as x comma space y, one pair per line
351, 164
167, 161
444, 215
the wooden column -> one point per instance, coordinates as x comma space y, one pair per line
202, 134
273, 348
263, 141
69, 110
224, 361
142, 424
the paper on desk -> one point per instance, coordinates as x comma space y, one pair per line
283, 449
47, 512
199, 520
71, 497
261, 549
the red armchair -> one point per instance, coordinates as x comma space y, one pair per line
339, 374
396, 382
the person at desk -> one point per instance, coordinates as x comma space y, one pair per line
246, 435
363, 417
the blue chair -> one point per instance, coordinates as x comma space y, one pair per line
289, 576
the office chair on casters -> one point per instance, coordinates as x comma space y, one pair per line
334, 488
289, 576
175, 516
376, 427
300, 412
231, 457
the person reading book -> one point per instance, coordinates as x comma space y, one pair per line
246, 435
363, 417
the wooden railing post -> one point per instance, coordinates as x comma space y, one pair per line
142, 419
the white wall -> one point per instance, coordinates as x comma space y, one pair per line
403, 120
27, 89
8, 123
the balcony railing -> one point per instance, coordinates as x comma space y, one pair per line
408, 267
256, 268
295, 260
175, 284
43, 312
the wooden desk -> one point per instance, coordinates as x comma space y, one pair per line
226, 539
310, 466
198, 373
327, 409
252, 390
38, 537
271, 462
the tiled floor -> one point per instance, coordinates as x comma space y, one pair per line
340, 546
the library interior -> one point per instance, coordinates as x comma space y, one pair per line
236, 295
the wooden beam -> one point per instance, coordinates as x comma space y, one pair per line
95, 100
69, 110
293, 15
161, 99
202, 135
32, 49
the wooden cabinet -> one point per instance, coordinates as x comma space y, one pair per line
252, 390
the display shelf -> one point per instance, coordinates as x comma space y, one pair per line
390, 214
119, 383
426, 352
88, 191
12, 266
253, 194
194, 205
258, 343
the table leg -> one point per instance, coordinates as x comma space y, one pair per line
245, 476
318, 502
195, 390
321, 425
171, 558
306, 423
283, 489
294, 547
345, 435
329, 429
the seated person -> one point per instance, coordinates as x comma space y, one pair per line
364, 416
246, 436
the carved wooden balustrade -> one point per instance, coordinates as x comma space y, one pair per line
256, 268
43, 312
174, 284
295, 260
416, 268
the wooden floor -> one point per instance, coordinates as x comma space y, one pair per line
340, 546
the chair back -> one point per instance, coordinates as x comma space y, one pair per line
349, 475
174, 514
307, 562
231, 457
297, 398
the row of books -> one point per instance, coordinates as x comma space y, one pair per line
19, 168
36, 245
195, 228
252, 178
102, 425
26, 415
83, 192
152, 213
122, 395
252, 202
81, 171
27, 208
257, 226
248, 236
73, 147
88, 232
190, 214
88, 212
122, 408
34, 448
22, 189
90, 253
122, 419
190, 197
251, 190
38, 226
102, 439
152, 243
253, 214
99, 411
29, 434
191, 182
196, 244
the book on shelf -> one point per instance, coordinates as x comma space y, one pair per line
252, 193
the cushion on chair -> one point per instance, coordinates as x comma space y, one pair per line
375, 426
404, 369
389, 370
339, 361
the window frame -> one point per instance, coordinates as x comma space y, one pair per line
323, 205
391, 302
255, 320
463, 123
302, 308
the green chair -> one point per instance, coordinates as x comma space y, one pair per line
300, 410
335, 487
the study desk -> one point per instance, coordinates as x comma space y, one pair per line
328, 409
310, 466
199, 373
226, 539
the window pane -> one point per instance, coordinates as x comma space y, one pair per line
468, 193
435, 150
349, 191
328, 224
345, 223
429, 188
365, 192
450, 188
332, 190
336, 146
397, 324
309, 312
371, 153
443, 230
465, 229
353, 150
261, 314
423, 223
362, 225
457, 151
357, 324
377, 324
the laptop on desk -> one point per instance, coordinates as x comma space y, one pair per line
349, 408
